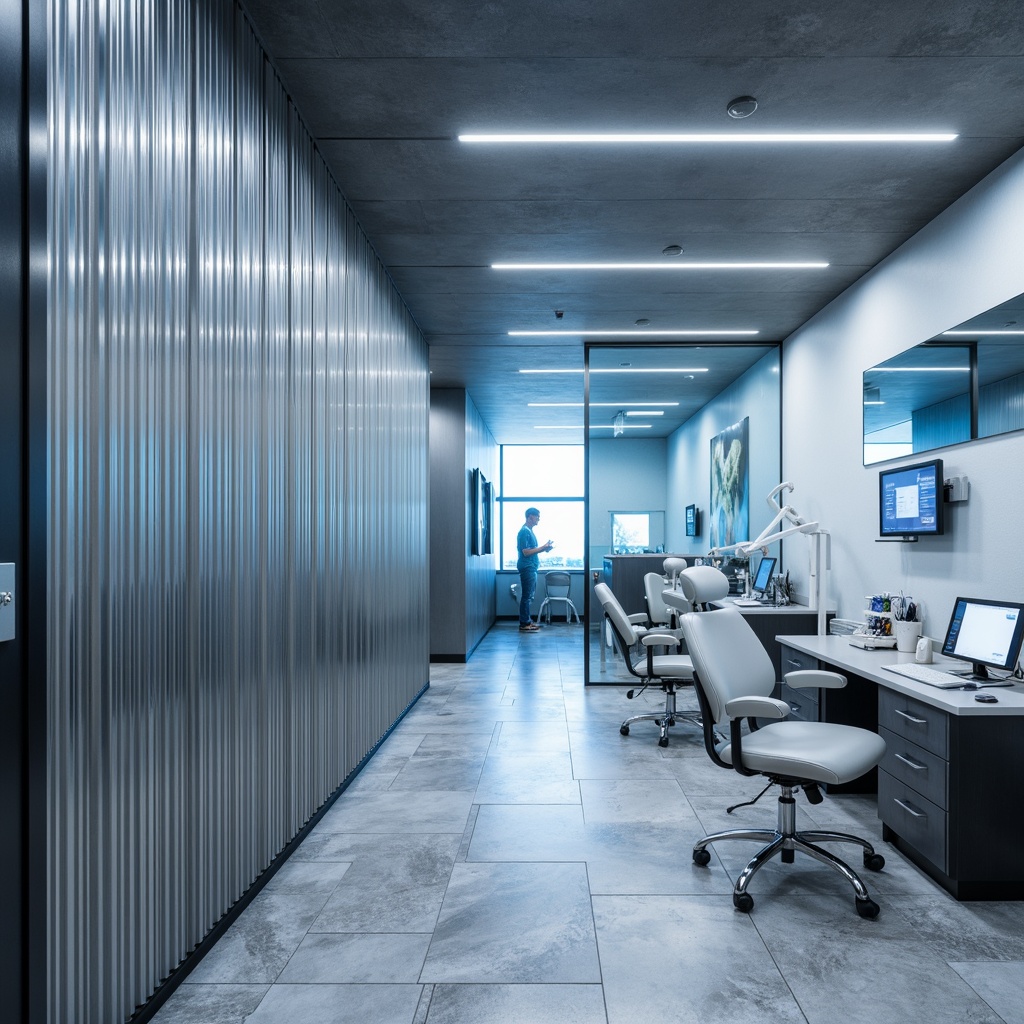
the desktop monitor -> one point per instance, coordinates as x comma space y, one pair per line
988, 634
764, 575
910, 501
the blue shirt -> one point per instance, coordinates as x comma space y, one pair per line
527, 539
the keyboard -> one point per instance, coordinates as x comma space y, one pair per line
927, 674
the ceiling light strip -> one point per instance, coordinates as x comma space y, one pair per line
606, 405
689, 333
703, 138
625, 369
674, 265
981, 332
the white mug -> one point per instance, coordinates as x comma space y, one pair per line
923, 654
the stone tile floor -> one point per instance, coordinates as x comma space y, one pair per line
507, 857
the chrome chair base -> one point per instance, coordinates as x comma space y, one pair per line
666, 718
784, 841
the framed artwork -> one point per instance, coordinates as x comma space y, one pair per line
730, 505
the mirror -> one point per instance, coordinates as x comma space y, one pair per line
963, 384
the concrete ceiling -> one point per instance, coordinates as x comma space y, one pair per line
386, 86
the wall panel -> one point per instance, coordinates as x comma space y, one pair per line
238, 443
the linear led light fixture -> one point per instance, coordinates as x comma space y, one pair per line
978, 333
624, 426
630, 334
917, 369
609, 405
630, 369
645, 412
700, 138
674, 265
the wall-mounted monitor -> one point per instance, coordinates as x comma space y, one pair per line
482, 498
910, 501
692, 521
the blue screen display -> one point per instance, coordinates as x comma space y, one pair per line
910, 500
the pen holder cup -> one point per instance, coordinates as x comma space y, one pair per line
907, 634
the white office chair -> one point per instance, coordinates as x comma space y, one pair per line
666, 670
658, 612
556, 589
734, 678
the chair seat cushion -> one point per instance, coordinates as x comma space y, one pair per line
815, 751
667, 666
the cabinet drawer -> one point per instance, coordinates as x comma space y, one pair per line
803, 703
915, 767
920, 822
797, 661
920, 723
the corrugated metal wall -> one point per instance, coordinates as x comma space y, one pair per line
238, 467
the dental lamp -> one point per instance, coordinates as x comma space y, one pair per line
821, 547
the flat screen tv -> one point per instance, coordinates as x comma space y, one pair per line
692, 521
910, 501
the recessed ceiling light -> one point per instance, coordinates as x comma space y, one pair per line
672, 250
742, 106
681, 333
702, 138
659, 266
624, 426
645, 412
609, 405
644, 322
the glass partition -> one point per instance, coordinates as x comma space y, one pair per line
652, 413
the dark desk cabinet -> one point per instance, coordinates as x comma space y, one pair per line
949, 791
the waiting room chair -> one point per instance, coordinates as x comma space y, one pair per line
556, 589
665, 670
734, 679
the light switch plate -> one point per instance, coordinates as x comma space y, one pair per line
7, 604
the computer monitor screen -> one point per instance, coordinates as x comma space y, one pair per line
986, 633
910, 500
764, 575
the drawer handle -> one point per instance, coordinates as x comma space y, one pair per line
911, 718
910, 762
909, 809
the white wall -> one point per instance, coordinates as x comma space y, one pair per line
970, 258
626, 475
756, 395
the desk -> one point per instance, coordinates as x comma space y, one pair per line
951, 785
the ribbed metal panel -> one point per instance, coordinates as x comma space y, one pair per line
238, 432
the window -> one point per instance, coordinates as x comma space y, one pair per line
631, 533
551, 478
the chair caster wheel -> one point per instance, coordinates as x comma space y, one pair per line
624, 729
867, 908
663, 742
873, 861
701, 858
745, 902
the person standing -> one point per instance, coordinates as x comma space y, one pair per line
528, 565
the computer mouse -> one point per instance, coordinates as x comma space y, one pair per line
986, 698
971, 686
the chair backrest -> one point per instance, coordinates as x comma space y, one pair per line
618, 618
657, 611
673, 567
557, 584
701, 584
728, 659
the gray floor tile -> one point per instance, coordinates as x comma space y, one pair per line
395, 883
210, 1004
346, 958
999, 984
338, 1004
687, 960
258, 945
544, 778
307, 876
529, 1004
523, 923
431, 811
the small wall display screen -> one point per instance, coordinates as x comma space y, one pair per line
692, 521
910, 500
